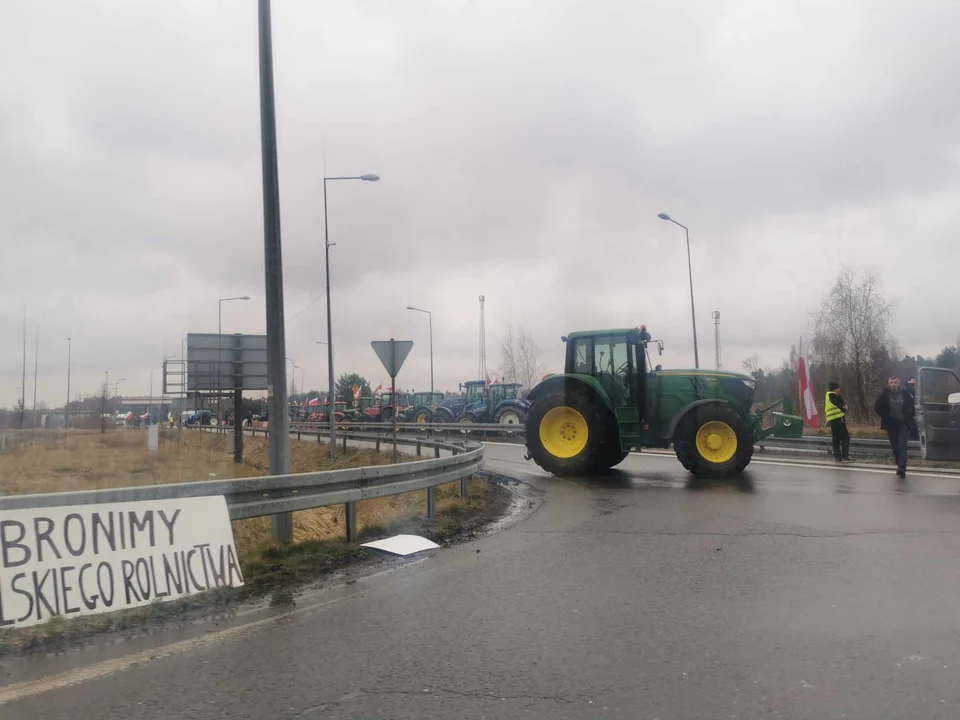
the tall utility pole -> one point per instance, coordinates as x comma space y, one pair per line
66, 408
482, 370
331, 400
23, 378
36, 366
718, 359
278, 421
693, 313
430, 316
103, 403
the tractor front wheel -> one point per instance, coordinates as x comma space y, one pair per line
422, 417
569, 432
510, 416
712, 441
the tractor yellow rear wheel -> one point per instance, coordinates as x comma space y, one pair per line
569, 431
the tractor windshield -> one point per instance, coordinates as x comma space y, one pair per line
474, 393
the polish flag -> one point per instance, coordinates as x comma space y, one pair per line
806, 391
379, 388
313, 402
356, 392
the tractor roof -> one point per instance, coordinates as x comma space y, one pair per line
592, 333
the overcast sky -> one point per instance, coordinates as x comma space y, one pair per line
525, 149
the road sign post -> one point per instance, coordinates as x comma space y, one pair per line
392, 354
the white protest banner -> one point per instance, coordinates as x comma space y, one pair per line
72, 561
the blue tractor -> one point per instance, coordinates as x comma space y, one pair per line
502, 404
450, 410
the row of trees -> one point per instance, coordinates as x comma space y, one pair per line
851, 344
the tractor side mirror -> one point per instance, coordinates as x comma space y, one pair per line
954, 398
660, 347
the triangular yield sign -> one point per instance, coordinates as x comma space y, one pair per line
392, 353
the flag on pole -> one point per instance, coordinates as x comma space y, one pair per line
379, 388
356, 392
313, 402
806, 390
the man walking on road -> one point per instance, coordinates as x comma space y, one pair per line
895, 406
835, 408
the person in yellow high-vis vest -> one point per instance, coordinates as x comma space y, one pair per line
835, 408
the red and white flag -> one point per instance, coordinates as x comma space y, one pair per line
356, 393
806, 391
313, 402
379, 388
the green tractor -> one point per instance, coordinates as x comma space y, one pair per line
422, 405
606, 403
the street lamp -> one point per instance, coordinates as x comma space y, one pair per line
220, 349
693, 314
430, 317
293, 377
370, 177
159, 367
66, 408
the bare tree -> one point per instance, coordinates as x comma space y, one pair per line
751, 365
852, 335
520, 359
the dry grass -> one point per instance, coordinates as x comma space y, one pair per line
372, 516
87, 460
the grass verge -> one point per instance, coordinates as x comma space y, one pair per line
274, 573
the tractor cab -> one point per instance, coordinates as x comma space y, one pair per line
449, 410
496, 394
616, 362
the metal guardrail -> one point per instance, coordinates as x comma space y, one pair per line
806, 444
275, 494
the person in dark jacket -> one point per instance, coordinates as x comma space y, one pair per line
895, 406
835, 408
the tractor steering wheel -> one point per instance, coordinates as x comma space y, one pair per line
622, 370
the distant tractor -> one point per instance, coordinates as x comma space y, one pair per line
422, 405
503, 404
606, 403
384, 407
449, 410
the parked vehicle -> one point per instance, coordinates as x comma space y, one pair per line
502, 404
450, 409
421, 407
385, 406
605, 403
201, 417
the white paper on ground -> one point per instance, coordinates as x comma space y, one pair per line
402, 544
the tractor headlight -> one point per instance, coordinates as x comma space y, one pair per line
752, 384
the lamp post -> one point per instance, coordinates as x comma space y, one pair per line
220, 349
430, 317
693, 314
293, 377
370, 177
66, 408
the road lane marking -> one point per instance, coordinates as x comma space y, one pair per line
29, 688
782, 463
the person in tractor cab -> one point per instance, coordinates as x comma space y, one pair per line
835, 408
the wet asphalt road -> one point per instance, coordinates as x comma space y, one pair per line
801, 592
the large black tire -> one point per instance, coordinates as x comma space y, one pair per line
423, 416
511, 416
594, 454
699, 458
